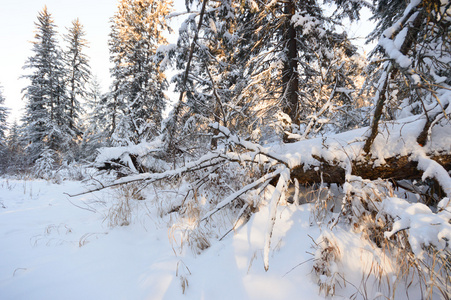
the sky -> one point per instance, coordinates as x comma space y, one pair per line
17, 29
17, 18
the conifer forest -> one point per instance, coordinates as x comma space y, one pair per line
263, 155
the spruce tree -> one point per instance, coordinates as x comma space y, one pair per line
16, 155
411, 73
99, 121
78, 73
3, 129
213, 86
268, 63
139, 84
297, 43
47, 125
385, 13
3, 119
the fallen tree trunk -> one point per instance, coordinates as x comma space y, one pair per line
394, 168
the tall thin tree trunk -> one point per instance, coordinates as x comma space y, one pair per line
290, 78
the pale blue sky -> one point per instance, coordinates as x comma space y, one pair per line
17, 28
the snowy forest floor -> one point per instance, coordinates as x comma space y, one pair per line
56, 247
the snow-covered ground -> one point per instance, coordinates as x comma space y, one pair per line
56, 247
50, 248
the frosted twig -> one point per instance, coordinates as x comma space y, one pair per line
242, 191
206, 161
248, 145
281, 185
240, 214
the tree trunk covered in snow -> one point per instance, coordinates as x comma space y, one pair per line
394, 168
392, 71
173, 119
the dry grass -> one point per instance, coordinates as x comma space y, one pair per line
396, 269
52, 236
194, 237
182, 271
120, 213
187, 230
84, 239
325, 203
326, 266
430, 273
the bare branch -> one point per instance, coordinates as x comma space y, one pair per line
267, 178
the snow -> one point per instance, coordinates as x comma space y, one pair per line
164, 50
307, 22
141, 150
424, 226
392, 47
52, 249
56, 247
393, 52
432, 169
397, 138
396, 26
275, 199
109, 153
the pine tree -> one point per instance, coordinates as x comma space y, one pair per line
3, 119
139, 84
78, 73
256, 60
3, 129
46, 120
412, 75
301, 46
15, 150
385, 13
213, 85
99, 121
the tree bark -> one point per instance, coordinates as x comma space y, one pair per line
395, 168
290, 77
170, 130
391, 74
